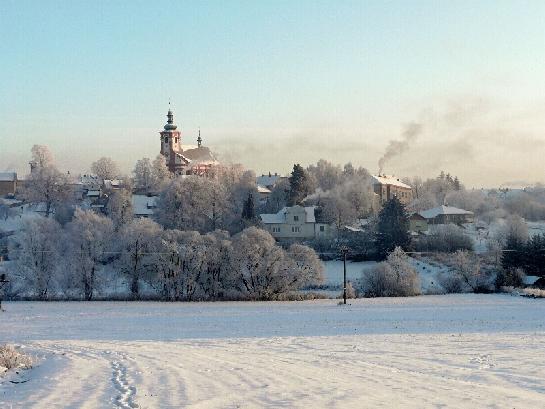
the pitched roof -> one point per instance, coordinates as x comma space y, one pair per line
280, 217
445, 210
262, 189
389, 180
266, 180
8, 176
143, 205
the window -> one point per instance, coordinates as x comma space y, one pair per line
295, 218
166, 139
322, 228
276, 229
295, 229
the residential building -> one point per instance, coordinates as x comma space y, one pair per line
386, 187
8, 183
295, 222
269, 181
447, 214
144, 206
417, 223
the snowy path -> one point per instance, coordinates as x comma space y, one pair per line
383, 365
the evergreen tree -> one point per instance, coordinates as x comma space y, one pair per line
248, 211
456, 183
513, 255
300, 185
534, 255
392, 228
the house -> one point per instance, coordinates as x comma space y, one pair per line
295, 222
143, 205
263, 193
269, 181
386, 187
8, 183
417, 223
447, 214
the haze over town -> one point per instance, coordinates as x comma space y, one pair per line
274, 84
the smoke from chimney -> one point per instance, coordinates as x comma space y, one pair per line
394, 148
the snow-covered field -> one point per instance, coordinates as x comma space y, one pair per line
434, 351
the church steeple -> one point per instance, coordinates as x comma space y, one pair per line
199, 139
170, 126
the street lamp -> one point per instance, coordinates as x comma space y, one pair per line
3, 282
344, 250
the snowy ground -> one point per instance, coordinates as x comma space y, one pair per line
435, 351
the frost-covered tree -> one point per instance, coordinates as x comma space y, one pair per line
119, 208
144, 176
395, 277
467, 267
88, 237
266, 271
105, 168
194, 203
37, 255
41, 157
137, 243
161, 174
47, 186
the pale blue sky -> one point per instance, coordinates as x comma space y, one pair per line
328, 79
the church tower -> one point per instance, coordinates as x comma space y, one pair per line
171, 146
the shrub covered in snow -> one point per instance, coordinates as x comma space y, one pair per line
12, 358
444, 238
395, 277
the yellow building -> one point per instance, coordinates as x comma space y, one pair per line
387, 187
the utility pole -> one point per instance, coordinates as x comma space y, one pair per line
344, 251
3, 282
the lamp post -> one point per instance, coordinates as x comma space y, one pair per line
344, 251
3, 282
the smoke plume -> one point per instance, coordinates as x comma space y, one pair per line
397, 147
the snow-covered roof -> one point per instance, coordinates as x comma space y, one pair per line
280, 217
113, 183
143, 205
268, 180
8, 176
262, 189
389, 180
93, 193
445, 210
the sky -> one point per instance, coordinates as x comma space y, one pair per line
273, 83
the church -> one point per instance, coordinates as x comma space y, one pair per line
184, 159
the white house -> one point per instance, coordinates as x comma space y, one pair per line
295, 222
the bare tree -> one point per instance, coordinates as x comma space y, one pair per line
105, 169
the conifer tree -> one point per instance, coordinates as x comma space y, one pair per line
300, 185
248, 210
392, 228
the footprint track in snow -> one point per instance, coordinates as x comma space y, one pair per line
127, 392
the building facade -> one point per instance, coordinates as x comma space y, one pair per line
180, 159
296, 222
386, 187
8, 183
